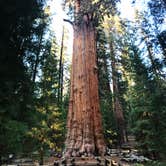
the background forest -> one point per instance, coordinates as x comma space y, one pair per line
35, 78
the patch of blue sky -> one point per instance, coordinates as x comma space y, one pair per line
127, 11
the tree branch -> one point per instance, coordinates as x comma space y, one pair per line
68, 21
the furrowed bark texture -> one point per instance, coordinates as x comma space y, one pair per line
84, 125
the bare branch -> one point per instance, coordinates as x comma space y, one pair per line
68, 21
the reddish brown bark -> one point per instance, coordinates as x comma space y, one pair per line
117, 107
84, 125
150, 52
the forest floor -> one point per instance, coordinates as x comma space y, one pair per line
127, 155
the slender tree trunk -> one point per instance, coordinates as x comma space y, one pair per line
41, 151
84, 124
117, 107
60, 88
0, 160
37, 58
150, 53
107, 78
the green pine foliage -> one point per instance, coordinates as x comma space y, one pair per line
49, 131
16, 113
146, 99
105, 93
31, 119
28, 80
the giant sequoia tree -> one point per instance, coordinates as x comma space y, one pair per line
84, 124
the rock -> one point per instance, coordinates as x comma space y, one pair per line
23, 160
114, 163
11, 156
114, 152
135, 158
125, 152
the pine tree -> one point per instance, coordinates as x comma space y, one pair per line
16, 87
105, 94
49, 130
142, 97
114, 31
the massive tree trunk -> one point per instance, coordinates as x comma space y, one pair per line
84, 124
